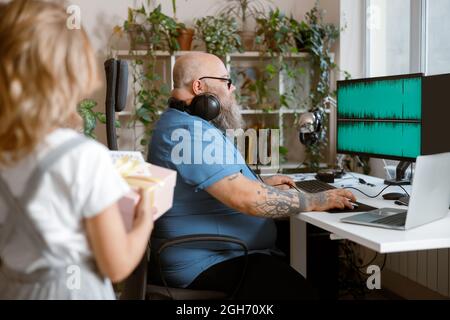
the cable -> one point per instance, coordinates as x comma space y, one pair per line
404, 190
366, 193
369, 263
361, 180
384, 262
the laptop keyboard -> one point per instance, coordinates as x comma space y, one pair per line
316, 186
398, 219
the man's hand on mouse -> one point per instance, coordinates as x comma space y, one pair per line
332, 199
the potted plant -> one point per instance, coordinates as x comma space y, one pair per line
274, 32
134, 26
244, 11
219, 34
90, 117
185, 35
151, 30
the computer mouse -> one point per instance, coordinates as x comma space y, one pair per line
393, 196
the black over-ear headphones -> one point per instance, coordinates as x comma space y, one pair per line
206, 106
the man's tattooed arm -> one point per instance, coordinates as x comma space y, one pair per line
275, 203
259, 199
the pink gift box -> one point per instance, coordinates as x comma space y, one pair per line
127, 205
161, 183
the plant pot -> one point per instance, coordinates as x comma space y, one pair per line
185, 38
248, 40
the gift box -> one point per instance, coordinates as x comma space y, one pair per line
159, 181
127, 205
161, 185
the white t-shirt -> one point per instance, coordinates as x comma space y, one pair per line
79, 185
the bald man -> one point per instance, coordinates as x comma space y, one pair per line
221, 197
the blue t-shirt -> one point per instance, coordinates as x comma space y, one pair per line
202, 156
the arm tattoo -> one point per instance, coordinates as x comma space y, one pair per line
233, 177
276, 203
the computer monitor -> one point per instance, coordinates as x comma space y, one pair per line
396, 117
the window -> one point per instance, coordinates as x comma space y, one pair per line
388, 37
438, 36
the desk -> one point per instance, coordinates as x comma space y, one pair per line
435, 235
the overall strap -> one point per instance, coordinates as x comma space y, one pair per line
17, 214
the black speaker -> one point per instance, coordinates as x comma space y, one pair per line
116, 96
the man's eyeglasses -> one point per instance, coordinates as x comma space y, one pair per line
228, 80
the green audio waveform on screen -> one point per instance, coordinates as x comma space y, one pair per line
396, 99
383, 138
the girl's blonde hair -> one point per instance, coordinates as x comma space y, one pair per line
45, 69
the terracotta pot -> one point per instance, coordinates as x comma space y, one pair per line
185, 38
248, 40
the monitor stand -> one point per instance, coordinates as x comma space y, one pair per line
400, 179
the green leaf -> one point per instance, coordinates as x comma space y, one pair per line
283, 150
101, 117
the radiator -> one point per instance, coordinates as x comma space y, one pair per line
429, 268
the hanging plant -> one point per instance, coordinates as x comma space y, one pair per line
316, 38
276, 37
150, 30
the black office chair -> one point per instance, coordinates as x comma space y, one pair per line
136, 287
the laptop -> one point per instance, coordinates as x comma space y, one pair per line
428, 202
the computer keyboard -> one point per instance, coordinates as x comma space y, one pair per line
394, 220
316, 186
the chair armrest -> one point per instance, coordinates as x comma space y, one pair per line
202, 238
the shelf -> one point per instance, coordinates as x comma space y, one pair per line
248, 54
273, 170
281, 111
273, 112
124, 114
257, 54
244, 112
144, 53
130, 114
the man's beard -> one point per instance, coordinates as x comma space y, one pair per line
230, 115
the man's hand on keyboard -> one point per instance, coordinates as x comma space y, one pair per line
280, 182
331, 199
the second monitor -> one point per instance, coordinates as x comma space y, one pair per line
396, 117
